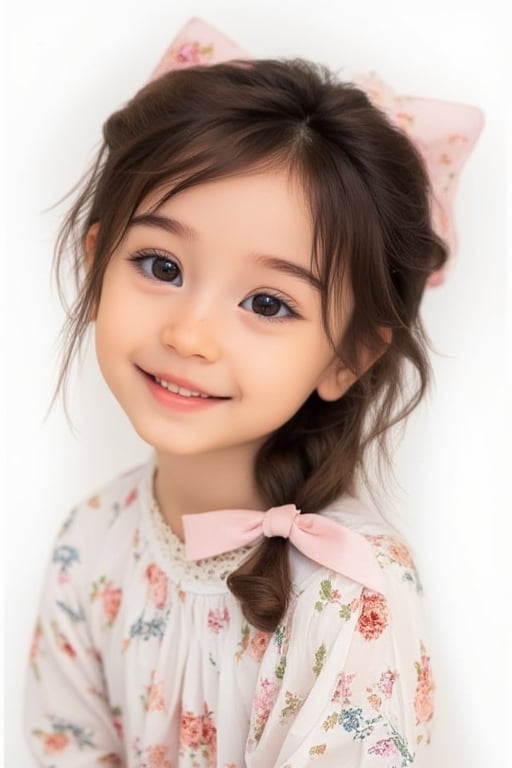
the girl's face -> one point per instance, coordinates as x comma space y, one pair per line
213, 294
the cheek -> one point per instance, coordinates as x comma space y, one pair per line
106, 348
107, 331
117, 317
114, 332
283, 380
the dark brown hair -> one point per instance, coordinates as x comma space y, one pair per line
369, 199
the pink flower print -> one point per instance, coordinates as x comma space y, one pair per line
374, 616
66, 646
384, 748
184, 55
188, 53
110, 597
130, 498
199, 731
62, 641
400, 554
34, 648
263, 702
218, 620
157, 756
54, 743
374, 701
386, 683
192, 53
154, 701
158, 585
191, 730
343, 691
265, 696
209, 734
111, 601
258, 645
96, 655
424, 697
423, 704
117, 721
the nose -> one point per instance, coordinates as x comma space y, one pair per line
191, 331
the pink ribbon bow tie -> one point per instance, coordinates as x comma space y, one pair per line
323, 540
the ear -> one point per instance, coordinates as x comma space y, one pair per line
337, 378
90, 240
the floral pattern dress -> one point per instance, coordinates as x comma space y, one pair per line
141, 659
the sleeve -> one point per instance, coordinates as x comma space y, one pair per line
349, 680
67, 718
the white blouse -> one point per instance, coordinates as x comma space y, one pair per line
141, 659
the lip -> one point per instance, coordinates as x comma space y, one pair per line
172, 398
179, 382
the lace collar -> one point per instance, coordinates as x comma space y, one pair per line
211, 570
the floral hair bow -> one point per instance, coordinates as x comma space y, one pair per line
444, 132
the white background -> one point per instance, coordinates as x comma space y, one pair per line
69, 65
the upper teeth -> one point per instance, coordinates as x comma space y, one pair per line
179, 390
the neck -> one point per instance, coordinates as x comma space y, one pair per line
187, 485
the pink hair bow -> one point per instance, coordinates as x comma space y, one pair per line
444, 132
323, 540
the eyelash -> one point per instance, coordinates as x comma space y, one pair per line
141, 256
287, 304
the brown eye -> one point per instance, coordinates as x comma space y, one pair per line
164, 269
161, 268
266, 305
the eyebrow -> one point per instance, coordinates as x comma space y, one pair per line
175, 227
288, 268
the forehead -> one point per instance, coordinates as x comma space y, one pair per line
256, 189
264, 211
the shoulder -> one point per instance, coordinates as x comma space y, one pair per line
107, 515
94, 543
370, 648
393, 553
330, 610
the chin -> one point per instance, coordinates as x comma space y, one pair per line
172, 446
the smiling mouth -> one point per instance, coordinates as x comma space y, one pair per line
177, 389
171, 387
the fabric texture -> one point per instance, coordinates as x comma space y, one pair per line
444, 132
143, 659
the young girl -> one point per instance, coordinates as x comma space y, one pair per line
252, 246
